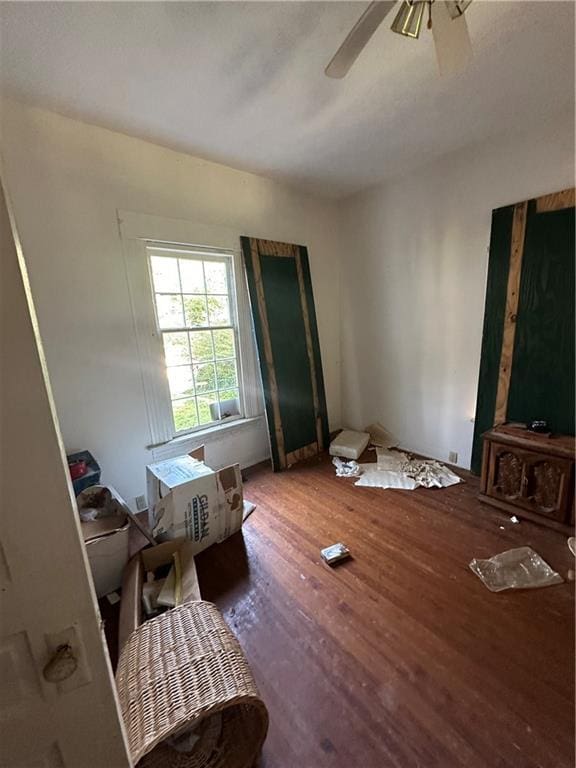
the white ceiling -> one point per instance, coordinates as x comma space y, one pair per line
242, 82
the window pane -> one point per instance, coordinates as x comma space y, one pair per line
165, 274
169, 311
195, 310
204, 410
219, 310
228, 394
224, 343
205, 377
226, 372
191, 276
176, 349
216, 277
181, 381
201, 344
185, 416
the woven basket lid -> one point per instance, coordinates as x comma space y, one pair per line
185, 672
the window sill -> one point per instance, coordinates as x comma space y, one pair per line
184, 443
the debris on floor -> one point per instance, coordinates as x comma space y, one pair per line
396, 469
113, 598
520, 568
514, 519
335, 553
380, 437
349, 444
346, 468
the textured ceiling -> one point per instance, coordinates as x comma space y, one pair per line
243, 83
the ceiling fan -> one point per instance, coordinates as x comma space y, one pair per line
445, 19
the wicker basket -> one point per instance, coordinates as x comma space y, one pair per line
184, 672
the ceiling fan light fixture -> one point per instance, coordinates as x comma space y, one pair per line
408, 20
456, 8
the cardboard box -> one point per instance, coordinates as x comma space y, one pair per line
106, 537
187, 498
149, 561
108, 555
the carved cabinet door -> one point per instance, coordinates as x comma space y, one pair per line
529, 479
547, 485
507, 472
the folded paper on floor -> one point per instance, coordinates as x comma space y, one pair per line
395, 469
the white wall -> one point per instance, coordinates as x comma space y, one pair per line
414, 280
413, 275
67, 179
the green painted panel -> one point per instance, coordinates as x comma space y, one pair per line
291, 363
497, 283
542, 379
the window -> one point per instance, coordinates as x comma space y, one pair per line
195, 311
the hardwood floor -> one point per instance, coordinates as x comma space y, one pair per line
400, 657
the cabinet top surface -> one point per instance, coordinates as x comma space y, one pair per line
564, 445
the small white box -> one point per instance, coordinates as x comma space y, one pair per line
349, 444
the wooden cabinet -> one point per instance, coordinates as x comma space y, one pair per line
529, 474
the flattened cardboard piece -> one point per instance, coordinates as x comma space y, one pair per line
230, 501
189, 578
131, 602
167, 596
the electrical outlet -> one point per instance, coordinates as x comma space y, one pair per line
453, 457
141, 504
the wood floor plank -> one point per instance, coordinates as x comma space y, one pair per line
400, 656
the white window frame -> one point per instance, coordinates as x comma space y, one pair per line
138, 233
203, 254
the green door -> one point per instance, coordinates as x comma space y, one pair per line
282, 303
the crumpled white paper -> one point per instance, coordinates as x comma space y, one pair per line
346, 468
395, 469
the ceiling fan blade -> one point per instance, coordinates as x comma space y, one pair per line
451, 40
357, 38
